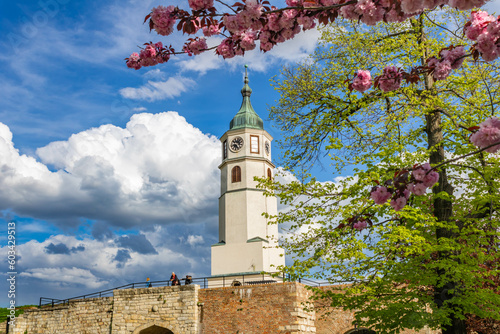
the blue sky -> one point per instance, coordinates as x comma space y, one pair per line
110, 173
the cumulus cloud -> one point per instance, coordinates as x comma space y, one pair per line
193, 240
137, 243
65, 276
159, 169
104, 264
158, 90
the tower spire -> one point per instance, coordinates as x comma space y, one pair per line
246, 116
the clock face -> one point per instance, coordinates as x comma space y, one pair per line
268, 148
236, 144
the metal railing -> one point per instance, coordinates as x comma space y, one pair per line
203, 282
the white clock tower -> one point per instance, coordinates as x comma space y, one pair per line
247, 243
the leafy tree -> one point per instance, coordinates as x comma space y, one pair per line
435, 260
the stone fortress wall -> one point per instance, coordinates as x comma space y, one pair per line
279, 308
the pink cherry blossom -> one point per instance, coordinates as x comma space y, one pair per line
431, 178
226, 49
488, 134
454, 56
380, 195
390, 79
398, 203
196, 46
466, 4
418, 189
492, 121
211, 30
348, 12
150, 51
306, 22
370, 13
486, 44
200, 4
248, 40
360, 225
362, 81
329, 2
442, 70
253, 10
163, 19
412, 6
133, 61
479, 21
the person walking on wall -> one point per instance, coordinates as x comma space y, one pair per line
148, 283
174, 279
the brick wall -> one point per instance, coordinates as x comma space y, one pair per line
267, 308
280, 308
86, 316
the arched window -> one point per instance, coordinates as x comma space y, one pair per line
236, 174
269, 174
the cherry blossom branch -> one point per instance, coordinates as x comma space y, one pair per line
466, 155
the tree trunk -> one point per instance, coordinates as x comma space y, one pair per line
443, 208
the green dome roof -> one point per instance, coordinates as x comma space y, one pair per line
246, 117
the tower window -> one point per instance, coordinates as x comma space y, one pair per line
236, 174
224, 150
269, 174
254, 144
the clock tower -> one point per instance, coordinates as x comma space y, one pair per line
247, 243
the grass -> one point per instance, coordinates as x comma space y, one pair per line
4, 312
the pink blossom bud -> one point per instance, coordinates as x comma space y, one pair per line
362, 81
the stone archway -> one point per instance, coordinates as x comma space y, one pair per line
360, 331
155, 330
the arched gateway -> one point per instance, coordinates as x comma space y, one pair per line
153, 330
360, 331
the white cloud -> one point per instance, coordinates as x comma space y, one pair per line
158, 90
65, 276
159, 169
193, 240
139, 109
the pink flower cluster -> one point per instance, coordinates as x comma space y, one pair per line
211, 30
390, 79
163, 19
253, 20
151, 55
488, 134
195, 46
450, 59
362, 81
360, 225
200, 4
485, 29
422, 177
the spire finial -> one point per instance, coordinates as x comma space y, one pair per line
246, 90
246, 117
